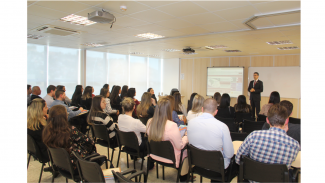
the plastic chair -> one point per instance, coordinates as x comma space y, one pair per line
144, 120
261, 172
209, 164
129, 140
118, 177
102, 138
294, 120
33, 150
261, 117
238, 136
239, 117
230, 122
164, 149
249, 126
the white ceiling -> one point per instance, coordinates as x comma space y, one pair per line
186, 23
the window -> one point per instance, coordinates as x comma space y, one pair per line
155, 75
118, 70
96, 70
138, 75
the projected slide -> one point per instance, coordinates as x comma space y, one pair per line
225, 80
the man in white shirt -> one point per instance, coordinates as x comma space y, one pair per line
49, 98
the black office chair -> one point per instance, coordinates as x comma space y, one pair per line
208, 164
164, 149
144, 120
249, 126
294, 120
102, 138
130, 141
261, 117
261, 172
239, 117
33, 150
238, 136
230, 122
118, 177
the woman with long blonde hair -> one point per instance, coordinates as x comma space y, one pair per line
147, 106
162, 128
197, 105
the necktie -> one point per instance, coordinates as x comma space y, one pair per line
254, 83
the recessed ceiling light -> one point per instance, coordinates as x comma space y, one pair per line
34, 36
279, 42
288, 48
149, 36
232, 51
92, 44
189, 53
171, 50
215, 47
136, 53
154, 55
78, 20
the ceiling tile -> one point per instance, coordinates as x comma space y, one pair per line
243, 12
132, 6
221, 5
193, 30
69, 7
287, 19
37, 19
169, 33
155, 4
239, 23
45, 12
277, 6
182, 9
204, 18
220, 27
91, 3
129, 31
127, 21
262, 22
152, 16
150, 28
258, 2
175, 23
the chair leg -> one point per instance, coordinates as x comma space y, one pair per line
106, 163
134, 163
66, 180
52, 178
112, 155
192, 177
40, 176
200, 178
178, 174
157, 170
127, 160
118, 158
148, 164
142, 163
28, 161
163, 167
108, 153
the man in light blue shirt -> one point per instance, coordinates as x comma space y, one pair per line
60, 96
207, 133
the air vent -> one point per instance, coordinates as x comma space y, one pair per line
288, 48
279, 42
136, 53
55, 30
232, 51
215, 47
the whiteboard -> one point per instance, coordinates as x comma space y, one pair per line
285, 80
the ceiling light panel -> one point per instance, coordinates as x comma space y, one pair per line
34, 36
288, 48
215, 47
136, 53
149, 36
77, 20
232, 51
279, 42
92, 44
171, 50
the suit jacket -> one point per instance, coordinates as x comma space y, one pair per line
258, 89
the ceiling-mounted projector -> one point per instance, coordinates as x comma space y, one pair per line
188, 51
101, 17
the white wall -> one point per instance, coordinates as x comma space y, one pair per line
170, 75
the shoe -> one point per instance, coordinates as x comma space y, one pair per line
48, 169
183, 178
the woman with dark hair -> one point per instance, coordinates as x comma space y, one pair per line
106, 86
217, 97
178, 106
132, 93
86, 97
115, 98
77, 95
189, 104
98, 116
147, 106
104, 92
224, 109
150, 90
113, 88
175, 117
124, 92
242, 106
274, 99
59, 134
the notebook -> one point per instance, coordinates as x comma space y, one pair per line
182, 129
108, 173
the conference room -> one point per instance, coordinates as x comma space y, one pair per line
164, 45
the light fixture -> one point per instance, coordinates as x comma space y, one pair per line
78, 20
171, 50
136, 53
92, 44
149, 36
232, 51
215, 47
34, 36
279, 42
288, 48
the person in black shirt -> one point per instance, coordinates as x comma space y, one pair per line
86, 97
115, 98
36, 91
224, 109
76, 97
124, 92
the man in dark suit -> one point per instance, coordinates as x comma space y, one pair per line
255, 88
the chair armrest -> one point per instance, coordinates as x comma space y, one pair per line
92, 155
128, 171
98, 157
136, 174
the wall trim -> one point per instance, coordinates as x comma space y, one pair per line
240, 56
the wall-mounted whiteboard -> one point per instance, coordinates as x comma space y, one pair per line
285, 80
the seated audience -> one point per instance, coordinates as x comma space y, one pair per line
150, 90
86, 97
224, 109
242, 106
66, 100
217, 97
108, 109
294, 129
175, 117
60, 96
216, 133
190, 102
147, 106
113, 88
162, 128
59, 134
29, 91
178, 106
98, 116
124, 92
132, 93
274, 99
50, 95
196, 108
115, 98
271, 146
76, 97
36, 91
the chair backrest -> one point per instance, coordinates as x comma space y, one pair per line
241, 116
60, 158
261, 117
128, 139
163, 149
100, 131
294, 120
261, 172
238, 136
32, 147
230, 122
211, 160
89, 171
144, 120
249, 126
118, 177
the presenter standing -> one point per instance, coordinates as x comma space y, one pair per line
255, 88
